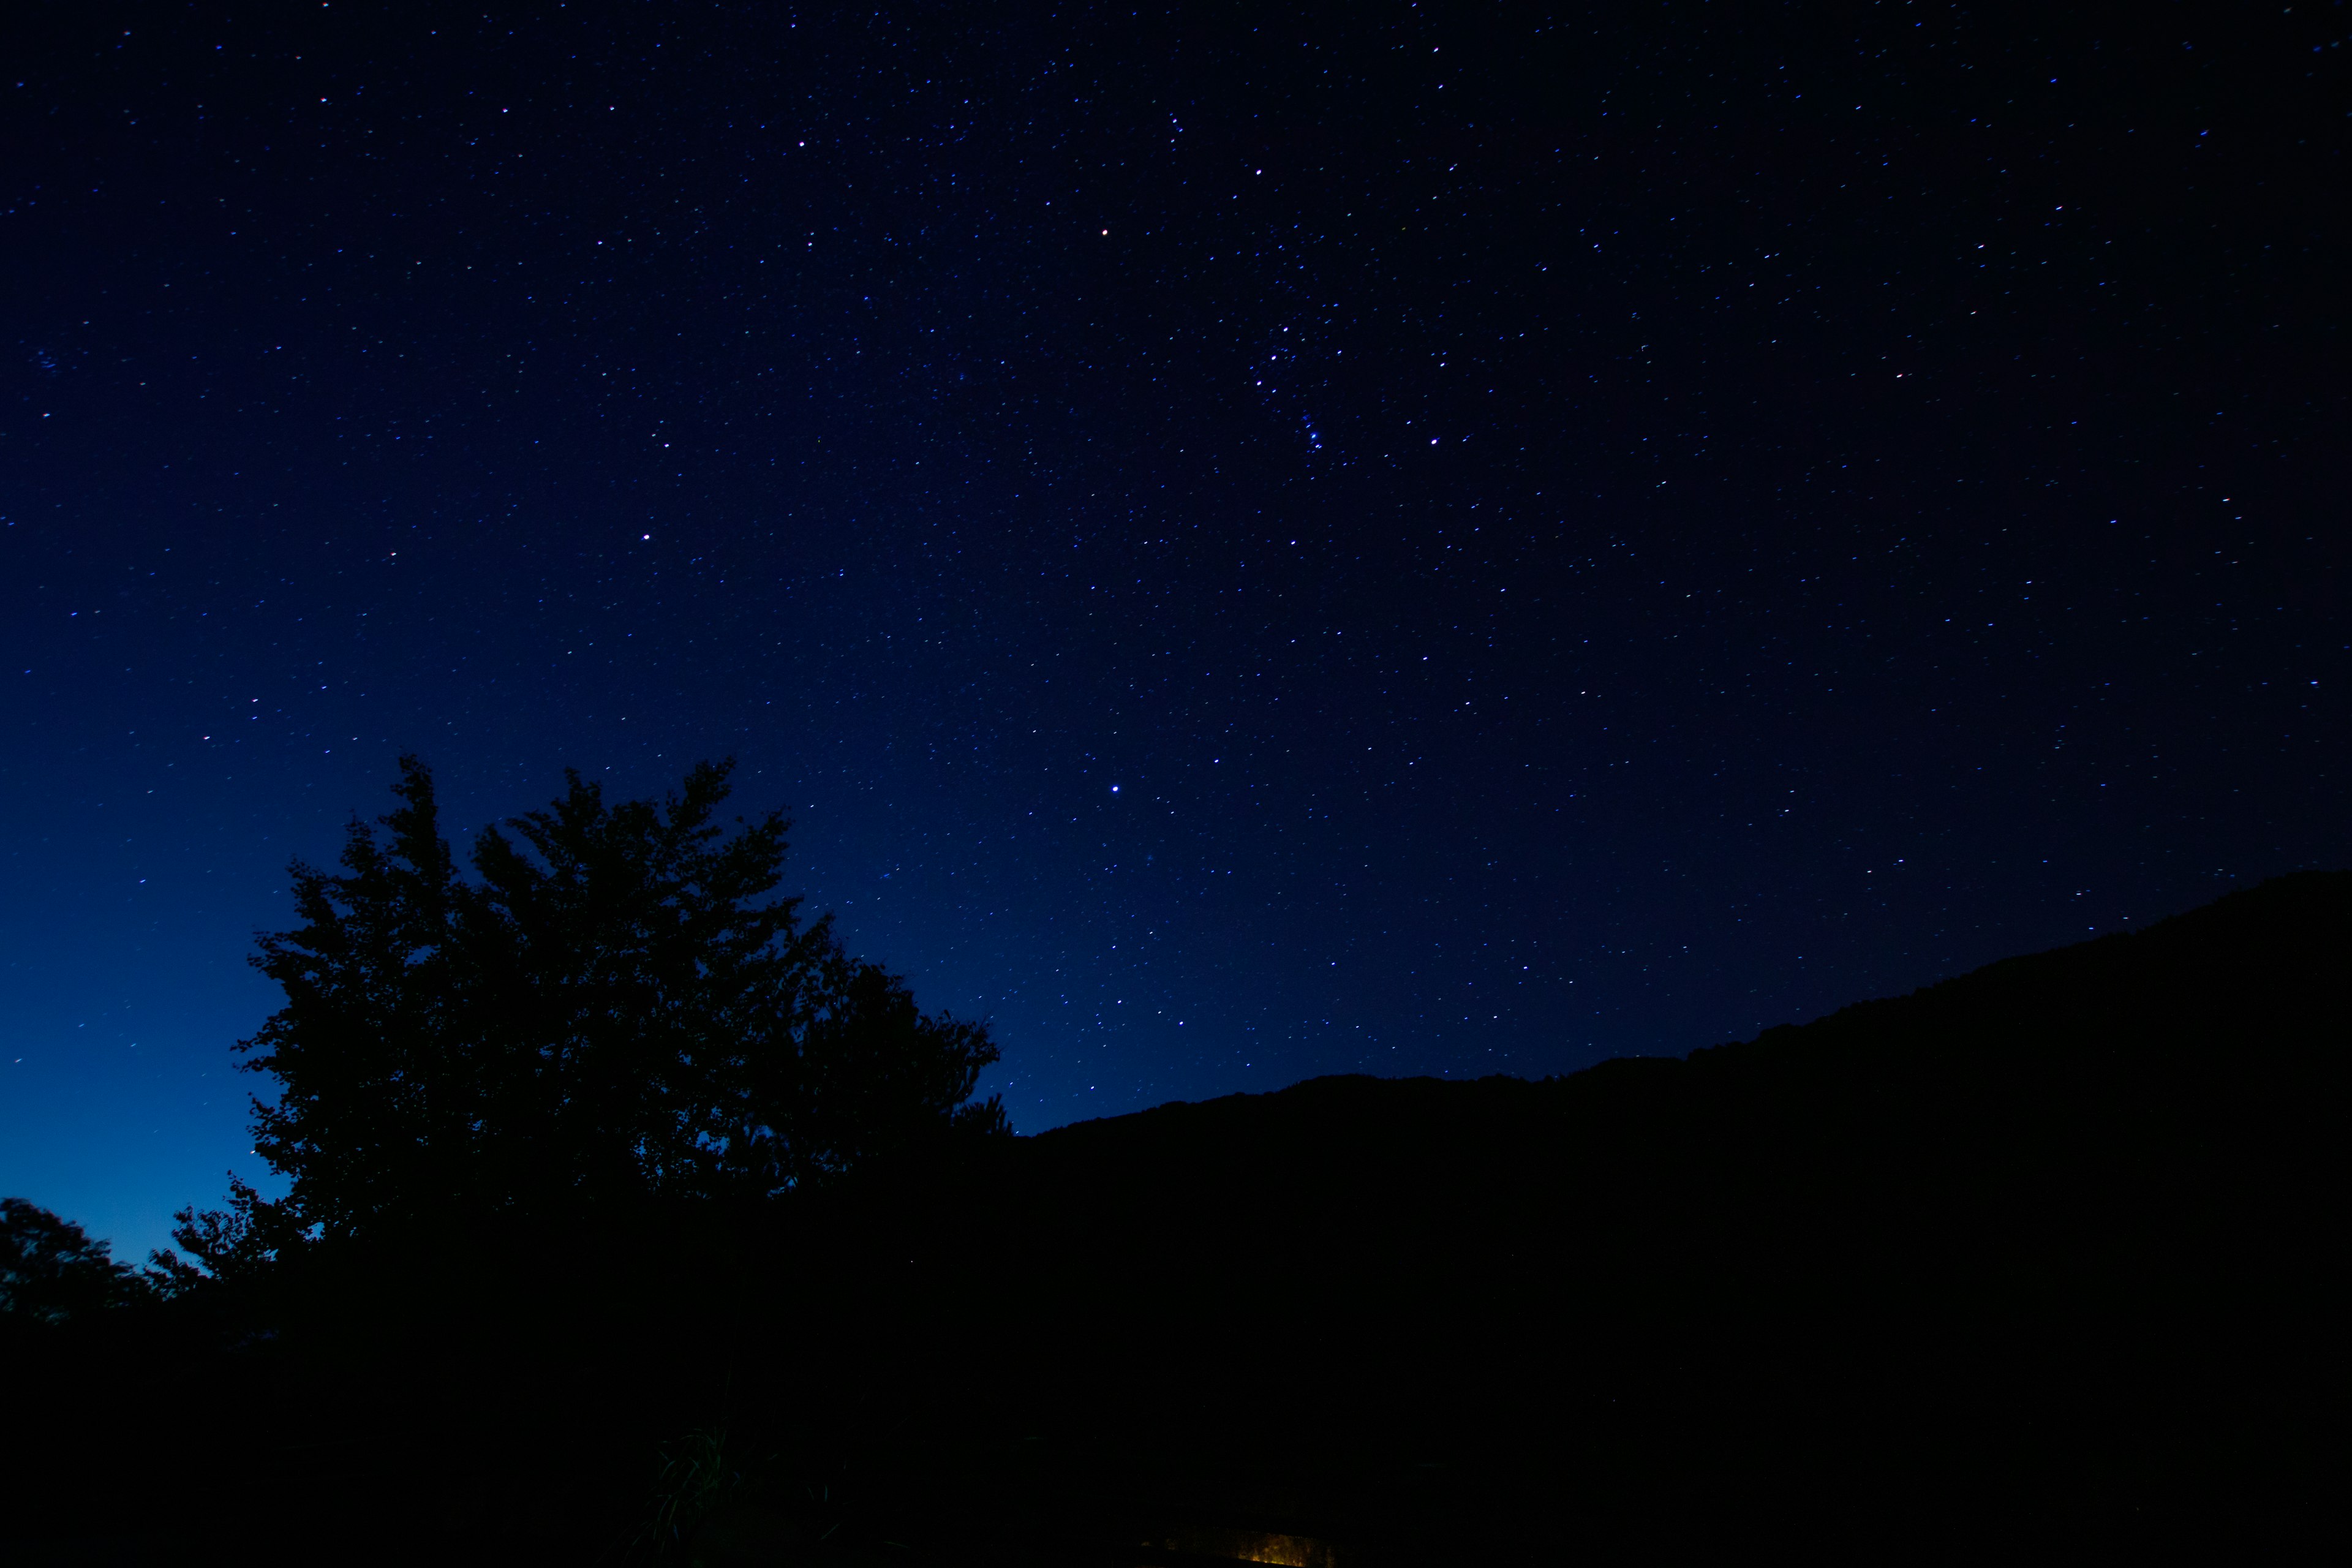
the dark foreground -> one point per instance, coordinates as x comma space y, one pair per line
2035, 1261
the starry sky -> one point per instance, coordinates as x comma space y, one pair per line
1250, 542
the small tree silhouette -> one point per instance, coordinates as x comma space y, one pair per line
51, 1270
229, 1243
613, 1008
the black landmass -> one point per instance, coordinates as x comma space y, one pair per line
2039, 1260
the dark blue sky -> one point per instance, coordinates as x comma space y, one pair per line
1410, 540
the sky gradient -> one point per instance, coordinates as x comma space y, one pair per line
1410, 540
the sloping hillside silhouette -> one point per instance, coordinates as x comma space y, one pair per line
2043, 1242
2036, 1256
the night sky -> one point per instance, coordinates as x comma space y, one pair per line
1250, 543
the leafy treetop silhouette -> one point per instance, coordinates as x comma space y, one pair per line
51, 1270
613, 1008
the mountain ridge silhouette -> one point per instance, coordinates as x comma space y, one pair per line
2035, 1257
2050, 1225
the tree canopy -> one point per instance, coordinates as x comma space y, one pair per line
51, 1270
615, 1007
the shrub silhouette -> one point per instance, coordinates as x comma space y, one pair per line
615, 1009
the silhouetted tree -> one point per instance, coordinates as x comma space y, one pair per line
615, 1007
228, 1244
52, 1271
